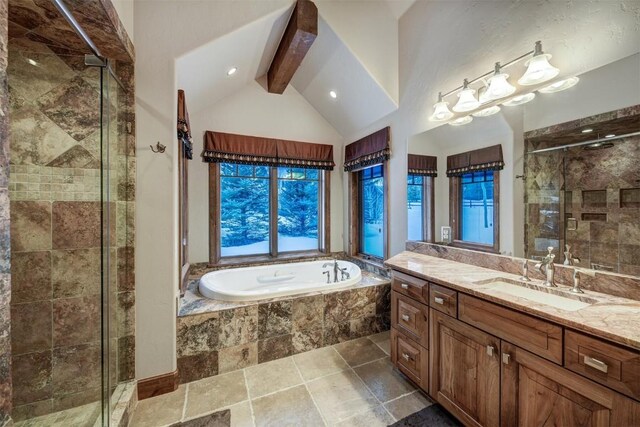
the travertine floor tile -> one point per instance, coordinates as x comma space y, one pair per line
272, 376
383, 341
383, 381
160, 410
241, 415
359, 351
341, 395
376, 417
215, 392
407, 405
292, 407
317, 363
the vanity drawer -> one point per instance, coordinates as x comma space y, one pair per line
538, 336
410, 358
410, 286
443, 299
410, 317
609, 364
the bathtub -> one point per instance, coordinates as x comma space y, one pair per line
270, 281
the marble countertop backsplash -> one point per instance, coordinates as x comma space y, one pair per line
611, 317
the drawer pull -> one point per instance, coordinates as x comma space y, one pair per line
506, 357
404, 286
406, 357
439, 300
405, 318
490, 350
596, 364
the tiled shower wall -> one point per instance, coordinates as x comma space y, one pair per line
5, 271
56, 230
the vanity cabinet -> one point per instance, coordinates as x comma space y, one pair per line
410, 317
465, 370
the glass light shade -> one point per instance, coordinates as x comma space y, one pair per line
499, 87
487, 112
520, 99
466, 102
441, 112
538, 70
461, 121
560, 85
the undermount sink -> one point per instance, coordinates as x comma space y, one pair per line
552, 297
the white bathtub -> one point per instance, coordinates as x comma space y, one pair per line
269, 281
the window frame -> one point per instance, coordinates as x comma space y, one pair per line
215, 221
455, 212
428, 207
355, 212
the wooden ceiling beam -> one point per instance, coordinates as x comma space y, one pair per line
298, 37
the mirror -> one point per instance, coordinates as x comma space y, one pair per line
568, 177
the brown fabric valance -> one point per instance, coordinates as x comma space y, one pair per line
184, 127
488, 158
255, 150
370, 150
423, 165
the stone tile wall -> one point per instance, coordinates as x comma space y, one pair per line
222, 341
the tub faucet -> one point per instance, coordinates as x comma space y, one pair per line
549, 268
343, 273
569, 259
335, 269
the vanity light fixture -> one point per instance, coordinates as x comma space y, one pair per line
587, 130
487, 112
232, 71
32, 62
441, 110
461, 121
538, 68
466, 99
611, 135
333, 94
520, 99
499, 87
560, 85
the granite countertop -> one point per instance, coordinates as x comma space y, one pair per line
194, 303
614, 318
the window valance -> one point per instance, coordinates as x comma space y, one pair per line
184, 128
370, 150
488, 158
255, 150
423, 165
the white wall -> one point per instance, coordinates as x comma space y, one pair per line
253, 111
125, 12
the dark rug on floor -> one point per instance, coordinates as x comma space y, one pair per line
217, 419
431, 416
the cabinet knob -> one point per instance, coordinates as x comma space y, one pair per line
404, 286
490, 350
506, 357
405, 317
439, 300
596, 364
406, 357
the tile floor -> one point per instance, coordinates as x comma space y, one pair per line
348, 384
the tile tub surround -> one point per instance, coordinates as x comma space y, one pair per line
214, 337
347, 384
613, 318
620, 285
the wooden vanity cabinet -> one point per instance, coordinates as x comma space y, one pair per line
465, 370
410, 317
536, 392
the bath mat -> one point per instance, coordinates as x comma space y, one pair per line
431, 416
217, 419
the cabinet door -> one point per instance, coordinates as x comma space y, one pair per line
465, 370
536, 393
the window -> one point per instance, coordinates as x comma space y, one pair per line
371, 197
420, 208
475, 210
267, 210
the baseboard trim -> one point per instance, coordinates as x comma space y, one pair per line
160, 384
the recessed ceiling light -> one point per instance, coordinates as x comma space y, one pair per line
232, 71
333, 94
611, 135
587, 130
32, 62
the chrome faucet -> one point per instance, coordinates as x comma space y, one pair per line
576, 283
525, 272
549, 268
335, 269
343, 273
569, 259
